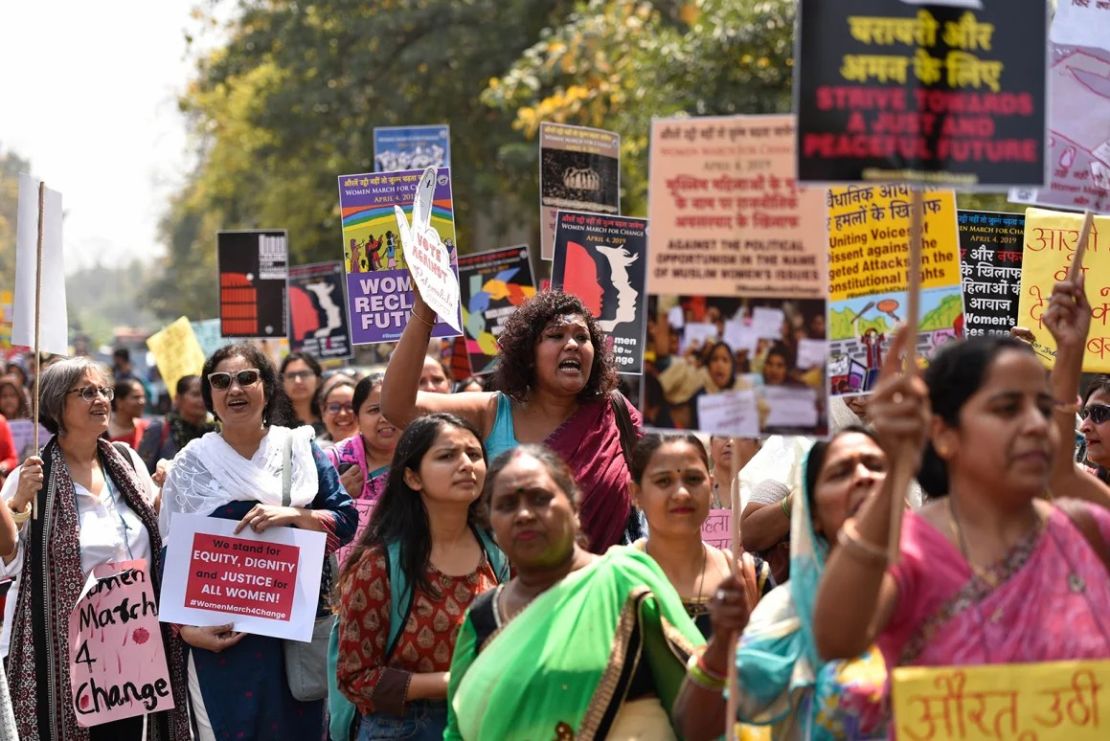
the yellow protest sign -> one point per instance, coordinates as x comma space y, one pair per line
176, 352
1050, 241
1055, 700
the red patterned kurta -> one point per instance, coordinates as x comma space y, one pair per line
425, 644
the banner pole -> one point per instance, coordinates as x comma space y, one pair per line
1081, 246
902, 470
38, 326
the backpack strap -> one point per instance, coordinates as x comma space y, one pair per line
400, 596
496, 557
624, 425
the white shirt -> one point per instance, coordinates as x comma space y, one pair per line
109, 531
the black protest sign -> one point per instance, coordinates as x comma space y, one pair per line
990, 263
932, 93
253, 267
317, 318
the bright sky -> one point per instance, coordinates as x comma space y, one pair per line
88, 94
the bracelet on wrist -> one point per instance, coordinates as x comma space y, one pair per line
431, 325
785, 505
854, 544
20, 517
709, 672
702, 678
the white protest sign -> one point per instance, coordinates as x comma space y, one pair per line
740, 336
811, 353
117, 662
791, 406
698, 335
767, 322
1081, 23
427, 256
263, 583
53, 324
732, 413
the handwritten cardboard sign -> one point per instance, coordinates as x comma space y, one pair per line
1050, 241
117, 663
264, 583
1055, 700
717, 528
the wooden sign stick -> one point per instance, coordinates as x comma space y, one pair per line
38, 325
902, 470
732, 705
1081, 245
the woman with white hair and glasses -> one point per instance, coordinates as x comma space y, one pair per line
95, 506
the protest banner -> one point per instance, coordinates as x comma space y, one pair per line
411, 147
117, 661
207, 332
868, 277
1079, 107
603, 261
717, 529
379, 286
39, 307
1051, 238
736, 279
253, 267
1059, 700
580, 170
990, 263
493, 285
263, 583
317, 319
176, 352
937, 94
433, 268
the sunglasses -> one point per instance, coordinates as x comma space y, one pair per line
222, 381
336, 408
90, 393
1098, 413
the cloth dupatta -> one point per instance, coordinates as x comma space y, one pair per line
590, 443
783, 680
52, 580
562, 666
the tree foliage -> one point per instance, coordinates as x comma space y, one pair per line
11, 164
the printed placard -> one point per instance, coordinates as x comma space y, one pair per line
411, 147
379, 285
1050, 241
493, 285
117, 661
990, 261
893, 91
253, 268
317, 317
580, 170
737, 276
602, 260
868, 277
1052, 701
176, 352
264, 583
717, 529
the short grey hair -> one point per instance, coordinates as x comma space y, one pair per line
55, 384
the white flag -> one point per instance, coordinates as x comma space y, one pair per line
53, 323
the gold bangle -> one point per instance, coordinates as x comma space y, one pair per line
853, 542
425, 321
20, 517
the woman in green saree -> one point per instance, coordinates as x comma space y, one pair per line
574, 646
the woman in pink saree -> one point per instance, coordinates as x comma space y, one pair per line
1005, 563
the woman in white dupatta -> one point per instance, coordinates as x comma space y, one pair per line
237, 681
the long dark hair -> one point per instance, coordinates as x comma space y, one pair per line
314, 366
278, 409
400, 514
954, 376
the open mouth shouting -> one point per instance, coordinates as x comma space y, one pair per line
571, 365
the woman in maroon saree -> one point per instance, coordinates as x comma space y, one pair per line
556, 381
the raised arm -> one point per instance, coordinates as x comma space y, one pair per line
857, 596
402, 401
1069, 320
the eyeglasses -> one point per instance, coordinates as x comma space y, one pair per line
297, 376
336, 408
90, 393
1098, 413
222, 381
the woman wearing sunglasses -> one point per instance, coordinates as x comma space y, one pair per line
237, 682
1095, 428
95, 506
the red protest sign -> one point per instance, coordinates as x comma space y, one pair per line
117, 663
243, 577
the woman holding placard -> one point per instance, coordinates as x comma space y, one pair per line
671, 484
556, 381
94, 506
988, 545
237, 682
404, 589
